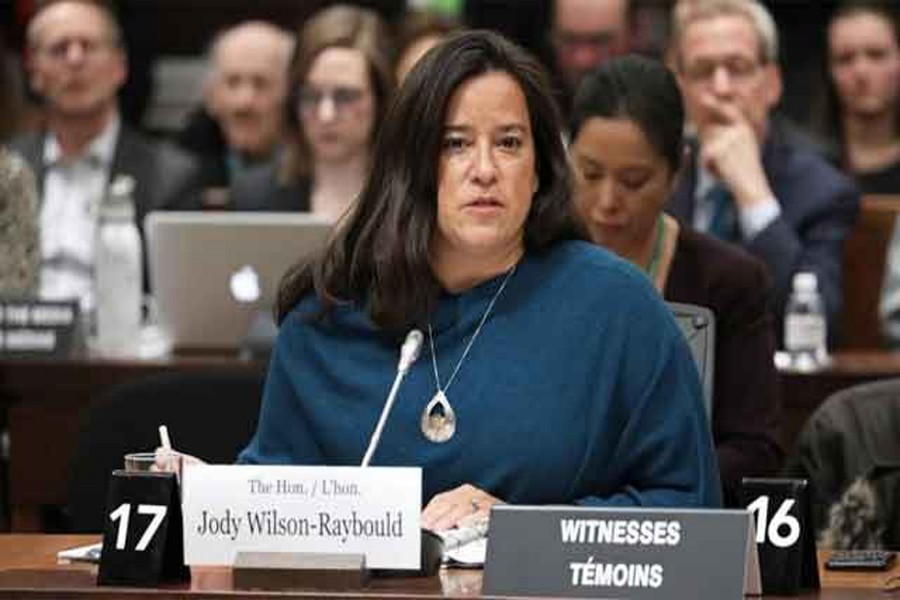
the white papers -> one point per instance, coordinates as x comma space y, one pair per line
467, 555
89, 554
466, 545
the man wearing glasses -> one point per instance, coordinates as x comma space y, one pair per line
76, 65
746, 183
584, 34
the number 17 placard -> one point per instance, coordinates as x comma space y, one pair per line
142, 539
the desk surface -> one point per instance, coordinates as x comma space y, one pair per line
860, 363
28, 569
44, 400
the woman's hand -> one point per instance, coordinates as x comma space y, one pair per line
172, 461
457, 507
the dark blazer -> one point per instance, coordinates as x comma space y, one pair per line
165, 177
260, 189
746, 403
819, 206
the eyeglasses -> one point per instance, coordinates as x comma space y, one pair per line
565, 40
738, 69
60, 49
341, 98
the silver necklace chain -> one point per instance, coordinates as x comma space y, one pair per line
465, 353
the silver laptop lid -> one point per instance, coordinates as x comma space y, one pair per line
202, 267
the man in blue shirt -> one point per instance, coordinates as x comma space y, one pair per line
747, 181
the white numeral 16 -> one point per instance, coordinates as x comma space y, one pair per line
122, 515
780, 519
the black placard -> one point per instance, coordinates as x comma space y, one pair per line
784, 533
39, 328
142, 541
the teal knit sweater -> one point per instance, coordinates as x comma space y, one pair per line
579, 390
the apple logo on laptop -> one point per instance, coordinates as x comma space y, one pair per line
245, 285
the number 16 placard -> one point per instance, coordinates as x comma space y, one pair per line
785, 534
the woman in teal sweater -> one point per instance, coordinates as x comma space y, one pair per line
551, 372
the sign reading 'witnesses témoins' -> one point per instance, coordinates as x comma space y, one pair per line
623, 532
622, 553
335, 510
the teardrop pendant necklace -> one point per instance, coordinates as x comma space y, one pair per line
438, 420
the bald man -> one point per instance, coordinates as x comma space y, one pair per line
245, 93
77, 65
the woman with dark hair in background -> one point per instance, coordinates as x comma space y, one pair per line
341, 79
627, 146
551, 371
862, 115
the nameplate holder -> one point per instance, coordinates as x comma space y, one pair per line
292, 570
30, 328
785, 535
142, 539
372, 512
632, 553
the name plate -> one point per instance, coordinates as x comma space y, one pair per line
617, 553
373, 511
38, 328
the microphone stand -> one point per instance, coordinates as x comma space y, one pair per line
409, 352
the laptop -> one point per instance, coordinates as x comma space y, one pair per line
213, 272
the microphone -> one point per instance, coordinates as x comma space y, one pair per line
409, 352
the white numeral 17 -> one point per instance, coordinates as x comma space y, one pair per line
123, 513
780, 519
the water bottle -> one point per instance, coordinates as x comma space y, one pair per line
118, 272
805, 328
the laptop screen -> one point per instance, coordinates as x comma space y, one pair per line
211, 272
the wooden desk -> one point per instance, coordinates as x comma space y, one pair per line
28, 569
44, 400
802, 393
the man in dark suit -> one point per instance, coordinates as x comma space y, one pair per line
241, 125
77, 65
583, 34
747, 182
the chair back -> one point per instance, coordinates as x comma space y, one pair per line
698, 324
865, 258
211, 415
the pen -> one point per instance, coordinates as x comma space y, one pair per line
164, 437
167, 446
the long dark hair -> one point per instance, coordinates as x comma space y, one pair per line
641, 90
379, 257
826, 110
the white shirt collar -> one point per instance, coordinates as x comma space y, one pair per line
705, 182
101, 149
